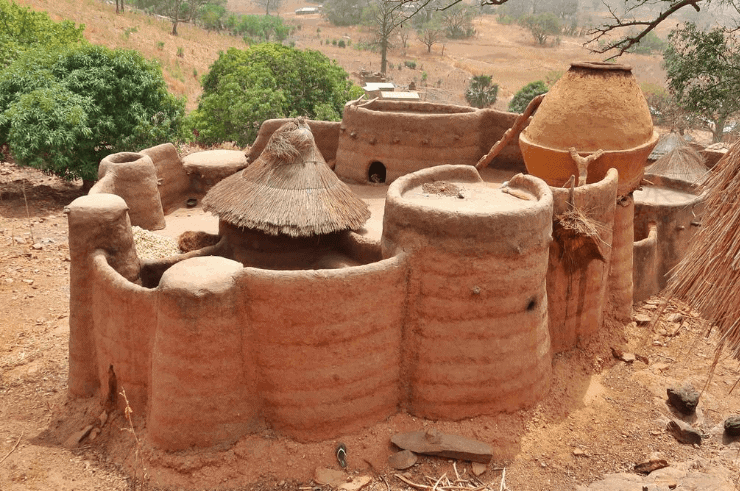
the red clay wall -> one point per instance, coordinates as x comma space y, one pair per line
620, 289
328, 345
644, 256
175, 184
576, 290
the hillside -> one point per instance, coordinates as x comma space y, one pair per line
506, 52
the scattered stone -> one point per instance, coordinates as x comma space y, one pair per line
579, 452
77, 437
621, 355
684, 398
94, 434
433, 442
677, 317
659, 367
643, 359
732, 426
37, 246
402, 460
30, 282
329, 477
650, 466
478, 468
684, 432
642, 319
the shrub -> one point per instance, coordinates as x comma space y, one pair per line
63, 110
525, 95
246, 87
341, 43
480, 93
410, 64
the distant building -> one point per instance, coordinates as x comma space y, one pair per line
308, 10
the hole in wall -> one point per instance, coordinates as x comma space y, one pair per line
531, 305
376, 172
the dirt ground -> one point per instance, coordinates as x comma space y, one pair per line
602, 415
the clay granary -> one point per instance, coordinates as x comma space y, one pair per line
452, 308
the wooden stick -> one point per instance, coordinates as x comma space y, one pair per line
454, 466
438, 480
519, 124
12, 449
503, 481
411, 483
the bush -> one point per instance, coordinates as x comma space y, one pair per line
63, 110
246, 87
341, 43
648, 45
525, 95
542, 26
410, 64
480, 93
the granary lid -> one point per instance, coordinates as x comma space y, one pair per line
681, 162
288, 190
666, 144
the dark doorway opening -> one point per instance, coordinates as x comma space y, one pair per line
376, 172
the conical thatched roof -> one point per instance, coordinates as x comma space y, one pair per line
708, 277
683, 163
666, 144
288, 190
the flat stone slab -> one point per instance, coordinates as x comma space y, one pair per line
433, 442
684, 432
402, 460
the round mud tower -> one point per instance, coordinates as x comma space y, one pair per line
579, 260
476, 339
133, 177
203, 384
621, 266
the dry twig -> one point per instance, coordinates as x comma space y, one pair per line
12, 449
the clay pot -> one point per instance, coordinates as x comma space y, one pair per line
594, 106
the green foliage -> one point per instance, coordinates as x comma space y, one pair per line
261, 28
160, 45
521, 99
211, 17
63, 110
480, 93
458, 21
22, 29
410, 64
702, 73
180, 52
649, 44
542, 26
341, 43
246, 87
343, 12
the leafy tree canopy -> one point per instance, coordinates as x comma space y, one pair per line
703, 73
63, 110
22, 29
521, 99
246, 87
542, 26
480, 93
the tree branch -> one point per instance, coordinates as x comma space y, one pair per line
626, 43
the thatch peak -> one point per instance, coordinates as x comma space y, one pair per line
288, 190
682, 162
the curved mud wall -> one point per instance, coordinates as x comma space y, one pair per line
477, 339
576, 283
174, 182
329, 348
644, 276
676, 208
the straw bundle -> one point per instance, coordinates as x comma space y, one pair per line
288, 190
683, 163
579, 237
709, 275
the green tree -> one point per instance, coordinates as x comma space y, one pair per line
269, 4
480, 93
703, 73
521, 99
542, 26
245, 87
63, 110
344, 12
22, 29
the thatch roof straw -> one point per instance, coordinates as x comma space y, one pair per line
666, 144
709, 275
288, 190
683, 163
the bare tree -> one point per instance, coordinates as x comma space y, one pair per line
430, 34
268, 5
624, 21
180, 11
117, 8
